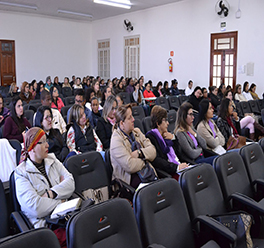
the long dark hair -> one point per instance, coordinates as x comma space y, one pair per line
39, 119
19, 121
223, 110
203, 108
181, 123
51, 93
244, 86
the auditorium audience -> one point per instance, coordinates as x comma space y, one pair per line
228, 120
48, 84
165, 90
33, 88
107, 121
107, 91
4, 112
207, 128
159, 136
215, 100
149, 94
13, 90
130, 86
81, 137
80, 100
40, 87
195, 98
42, 182
141, 84
239, 95
97, 92
95, 113
174, 88
189, 89
16, 123
157, 91
57, 121
55, 140
57, 102
77, 84
119, 87
221, 91
246, 91
25, 94
191, 142
120, 100
57, 84
66, 83
252, 91
130, 150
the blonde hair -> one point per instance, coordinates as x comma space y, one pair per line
120, 114
75, 114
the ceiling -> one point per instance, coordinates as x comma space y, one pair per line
98, 11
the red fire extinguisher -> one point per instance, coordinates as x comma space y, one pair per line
170, 65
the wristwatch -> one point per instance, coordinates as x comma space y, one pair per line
195, 135
139, 153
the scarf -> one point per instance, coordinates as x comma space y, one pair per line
193, 139
211, 125
231, 124
165, 145
112, 121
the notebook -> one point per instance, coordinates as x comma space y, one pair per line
66, 207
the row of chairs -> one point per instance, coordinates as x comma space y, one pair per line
159, 207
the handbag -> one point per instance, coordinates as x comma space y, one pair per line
97, 195
239, 223
147, 174
235, 142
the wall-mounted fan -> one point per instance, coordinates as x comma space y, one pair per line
222, 8
128, 26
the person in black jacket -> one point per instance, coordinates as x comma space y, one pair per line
195, 98
215, 100
159, 136
107, 121
81, 137
165, 90
57, 144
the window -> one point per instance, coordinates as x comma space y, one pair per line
132, 62
223, 59
104, 59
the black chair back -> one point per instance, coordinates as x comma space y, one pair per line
163, 102
70, 100
4, 218
29, 114
138, 112
126, 97
147, 124
138, 124
174, 102
172, 116
254, 106
108, 224
66, 91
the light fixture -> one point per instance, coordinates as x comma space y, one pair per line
74, 13
19, 5
115, 3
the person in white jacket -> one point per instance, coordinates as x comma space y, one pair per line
42, 182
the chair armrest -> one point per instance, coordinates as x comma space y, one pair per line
20, 221
122, 189
162, 174
247, 202
156, 246
217, 227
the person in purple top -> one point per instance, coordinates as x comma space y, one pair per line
16, 123
130, 86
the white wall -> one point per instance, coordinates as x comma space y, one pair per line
46, 46
185, 28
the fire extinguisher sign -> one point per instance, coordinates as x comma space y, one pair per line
171, 53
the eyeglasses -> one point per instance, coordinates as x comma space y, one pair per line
43, 142
79, 101
49, 117
114, 108
190, 114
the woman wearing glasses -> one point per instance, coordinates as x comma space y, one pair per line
42, 182
81, 137
107, 121
191, 142
25, 94
55, 140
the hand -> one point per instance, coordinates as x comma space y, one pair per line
182, 166
134, 154
235, 115
1, 118
23, 134
167, 135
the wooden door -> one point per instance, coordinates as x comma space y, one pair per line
223, 59
7, 62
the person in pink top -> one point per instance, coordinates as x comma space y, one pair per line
56, 100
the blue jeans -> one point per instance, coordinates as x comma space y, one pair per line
202, 159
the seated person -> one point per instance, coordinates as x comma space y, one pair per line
129, 148
107, 121
81, 137
246, 91
4, 112
213, 95
13, 90
239, 96
80, 100
95, 113
57, 121
165, 90
25, 94
120, 100
228, 120
55, 140
39, 89
16, 123
252, 91
57, 103
195, 98
206, 127
42, 182
191, 142
174, 88
166, 158
148, 94
157, 91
